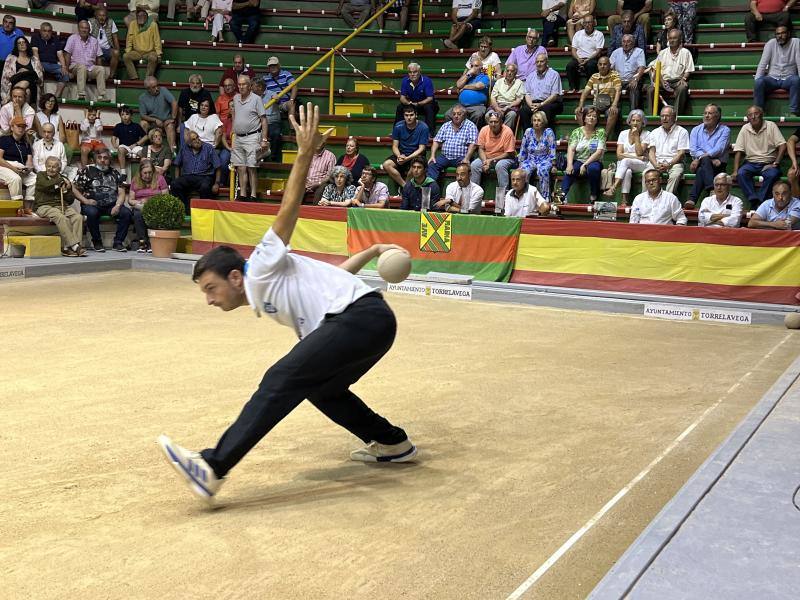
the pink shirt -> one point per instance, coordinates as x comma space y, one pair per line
320, 168
144, 194
83, 53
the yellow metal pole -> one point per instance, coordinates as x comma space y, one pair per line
331, 82
419, 17
329, 53
656, 87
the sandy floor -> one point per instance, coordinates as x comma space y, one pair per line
528, 421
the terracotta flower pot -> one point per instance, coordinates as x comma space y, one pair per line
163, 241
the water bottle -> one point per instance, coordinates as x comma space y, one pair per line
426, 199
499, 200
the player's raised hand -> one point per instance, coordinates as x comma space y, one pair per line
306, 131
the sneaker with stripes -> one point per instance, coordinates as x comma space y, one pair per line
191, 466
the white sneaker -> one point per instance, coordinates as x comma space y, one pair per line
200, 477
374, 452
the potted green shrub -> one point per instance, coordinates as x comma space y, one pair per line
163, 214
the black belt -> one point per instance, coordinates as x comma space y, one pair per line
250, 133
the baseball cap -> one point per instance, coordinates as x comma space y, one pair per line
273, 60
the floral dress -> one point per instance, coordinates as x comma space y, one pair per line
537, 155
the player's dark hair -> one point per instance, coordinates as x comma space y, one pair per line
220, 261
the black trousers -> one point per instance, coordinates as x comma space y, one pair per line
184, 185
574, 72
704, 178
551, 109
751, 26
320, 368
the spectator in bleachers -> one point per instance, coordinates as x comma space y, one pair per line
8, 35
466, 18
587, 144
543, 92
48, 113
158, 108
16, 161
525, 56
639, 11
80, 55
150, 6
128, 138
143, 42
403, 6
16, 107
53, 201
496, 151
209, 128
417, 90
668, 146
250, 133
537, 154
631, 155
239, 68
721, 209
319, 170
216, 18
655, 206
84, 9
277, 80
554, 16
190, 98
101, 191
773, 12
605, 89
355, 12
106, 32
91, 134
246, 12
791, 150
686, 17
273, 121
628, 26
669, 21
762, 146
456, 138
508, 94
677, 65
779, 212
412, 190
462, 195
222, 105
524, 199
578, 10
779, 69
158, 152
145, 184
409, 139
489, 59
199, 171
353, 159
370, 193
629, 62
708, 147
48, 147
339, 189
587, 46
22, 69
473, 92
48, 48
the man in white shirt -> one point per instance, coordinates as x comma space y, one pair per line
656, 206
587, 44
462, 195
668, 145
333, 313
721, 209
466, 18
779, 69
780, 212
523, 199
677, 65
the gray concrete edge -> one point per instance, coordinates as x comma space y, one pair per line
621, 579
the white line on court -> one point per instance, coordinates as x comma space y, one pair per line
528, 583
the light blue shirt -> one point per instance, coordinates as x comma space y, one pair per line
714, 144
768, 211
627, 64
542, 87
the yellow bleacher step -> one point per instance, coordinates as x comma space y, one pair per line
335, 130
37, 246
288, 157
407, 46
343, 108
8, 208
275, 184
368, 86
387, 66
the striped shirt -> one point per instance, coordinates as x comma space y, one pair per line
278, 83
456, 142
205, 162
320, 168
83, 53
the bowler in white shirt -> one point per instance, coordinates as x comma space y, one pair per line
656, 206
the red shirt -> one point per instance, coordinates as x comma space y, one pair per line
231, 74
770, 6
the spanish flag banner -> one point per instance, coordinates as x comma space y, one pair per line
477, 245
704, 262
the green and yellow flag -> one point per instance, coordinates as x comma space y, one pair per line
477, 245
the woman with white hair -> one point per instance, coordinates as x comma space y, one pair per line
340, 189
631, 154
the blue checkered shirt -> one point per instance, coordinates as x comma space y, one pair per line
204, 162
456, 143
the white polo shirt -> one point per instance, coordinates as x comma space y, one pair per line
469, 198
661, 210
295, 290
666, 144
586, 45
525, 205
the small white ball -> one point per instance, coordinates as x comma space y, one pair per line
394, 265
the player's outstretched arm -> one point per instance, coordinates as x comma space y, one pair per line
356, 262
308, 140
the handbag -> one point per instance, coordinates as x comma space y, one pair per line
561, 160
607, 176
602, 102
